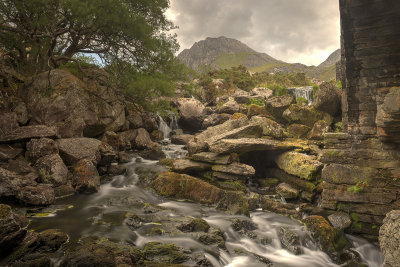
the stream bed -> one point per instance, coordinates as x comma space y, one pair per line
248, 241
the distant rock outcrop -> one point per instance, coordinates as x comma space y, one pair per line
223, 52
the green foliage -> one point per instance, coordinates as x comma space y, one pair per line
40, 34
254, 101
301, 101
358, 188
279, 90
339, 84
227, 61
84, 61
338, 127
315, 90
163, 108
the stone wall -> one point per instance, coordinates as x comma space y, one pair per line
362, 171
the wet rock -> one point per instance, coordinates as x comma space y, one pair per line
189, 166
21, 166
269, 127
340, 220
8, 152
230, 107
298, 164
107, 154
100, 252
37, 148
294, 181
328, 99
210, 157
277, 105
318, 130
191, 113
296, 130
142, 139
153, 152
279, 207
114, 140
389, 237
128, 138
85, 178
322, 232
243, 145
135, 121
290, 240
73, 150
211, 239
164, 253
157, 135
239, 225
124, 157
287, 191
116, 169
215, 119
195, 146
194, 225
12, 230
181, 139
38, 195
52, 170
239, 169
11, 183
305, 115
26, 133
52, 239
64, 190
180, 186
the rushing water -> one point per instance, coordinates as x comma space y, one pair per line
306, 92
104, 214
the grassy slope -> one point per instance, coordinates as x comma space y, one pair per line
328, 74
226, 61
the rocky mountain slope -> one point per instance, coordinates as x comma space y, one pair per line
223, 52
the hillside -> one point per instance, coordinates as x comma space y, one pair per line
223, 52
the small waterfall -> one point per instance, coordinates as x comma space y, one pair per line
163, 127
173, 121
305, 92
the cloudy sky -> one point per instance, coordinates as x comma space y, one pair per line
305, 31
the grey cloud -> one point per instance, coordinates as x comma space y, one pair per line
285, 29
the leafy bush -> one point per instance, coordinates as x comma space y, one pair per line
338, 127
258, 102
301, 101
315, 90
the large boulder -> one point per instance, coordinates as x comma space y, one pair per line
143, 139
305, 115
215, 119
243, 145
37, 195
12, 230
296, 130
298, 164
85, 177
328, 99
75, 107
269, 127
214, 158
182, 186
181, 139
238, 169
230, 107
389, 238
11, 182
241, 96
52, 170
261, 93
189, 166
277, 105
37, 148
319, 129
26, 133
191, 113
74, 149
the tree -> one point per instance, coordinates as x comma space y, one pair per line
39, 35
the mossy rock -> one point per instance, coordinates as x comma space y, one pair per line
182, 186
305, 115
301, 165
256, 110
166, 163
194, 225
236, 116
163, 253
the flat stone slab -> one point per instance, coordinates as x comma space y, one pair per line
243, 145
236, 169
188, 166
27, 133
210, 157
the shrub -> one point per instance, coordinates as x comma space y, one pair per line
301, 101
254, 101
